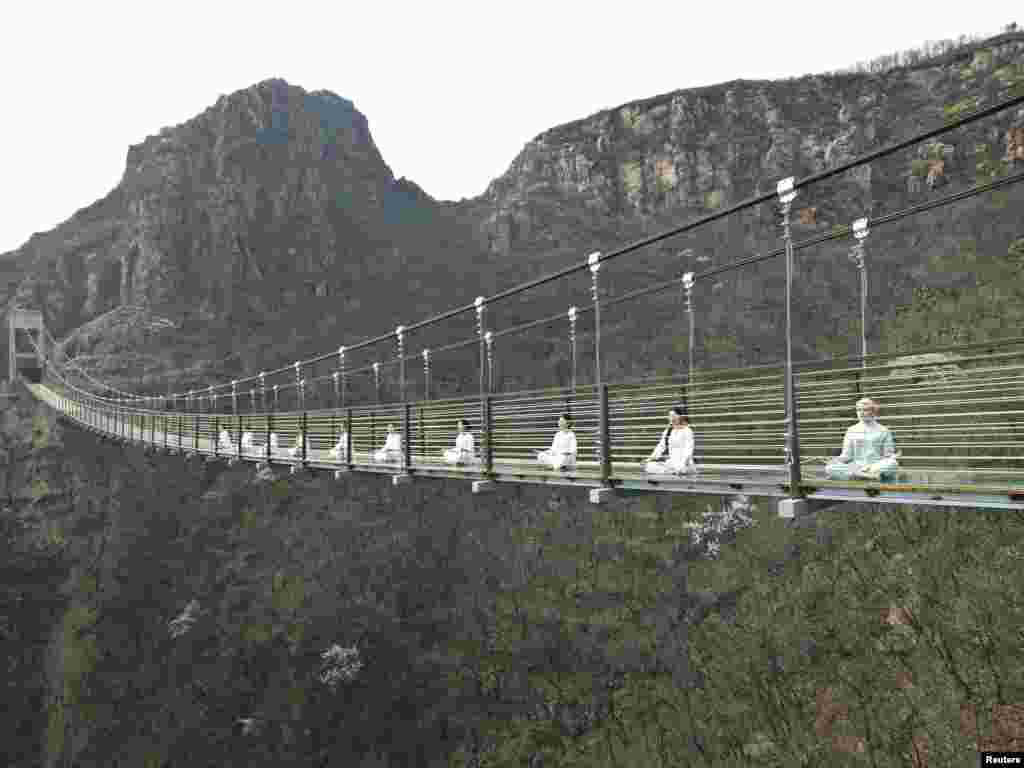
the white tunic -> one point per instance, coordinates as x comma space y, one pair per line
680, 452
392, 449
225, 439
247, 441
339, 451
562, 451
463, 450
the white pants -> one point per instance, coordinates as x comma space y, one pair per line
453, 456
556, 460
387, 456
668, 468
837, 470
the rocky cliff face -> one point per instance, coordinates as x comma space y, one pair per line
695, 151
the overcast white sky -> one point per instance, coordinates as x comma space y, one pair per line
452, 90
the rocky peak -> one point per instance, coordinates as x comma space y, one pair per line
269, 179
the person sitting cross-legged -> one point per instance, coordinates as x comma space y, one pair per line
677, 442
339, 452
224, 441
463, 452
869, 452
562, 453
392, 450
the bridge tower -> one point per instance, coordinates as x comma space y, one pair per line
30, 363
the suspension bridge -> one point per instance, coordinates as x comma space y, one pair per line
956, 413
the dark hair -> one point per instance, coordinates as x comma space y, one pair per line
464, 422
567, 417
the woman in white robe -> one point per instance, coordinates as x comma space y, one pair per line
677, 442
340, 450
224, 441
246, 441
275, 445
392, 450
463, 452
562, 453
869, 452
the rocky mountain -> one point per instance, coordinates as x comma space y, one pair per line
271, 198
269, 227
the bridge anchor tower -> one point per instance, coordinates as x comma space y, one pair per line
31, 363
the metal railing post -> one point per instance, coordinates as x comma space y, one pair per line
786, 195
424, 434
304, 437
400, 339
299, 394
426, 374
488, 429
348, 438
334, 411
572, 346
688, 292
595, 266
406, 425
489, 341
860, 232
376, 382
480, 330
606, 448
270, 431
406, 436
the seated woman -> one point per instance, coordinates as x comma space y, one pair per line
869, 452
274, 445
224, 441
677, 441
246, 441
296, 450
463, 452
392, 450
562, 453
340, 450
